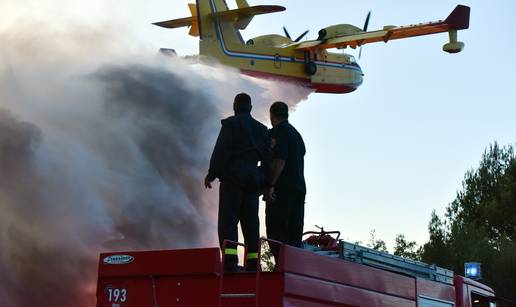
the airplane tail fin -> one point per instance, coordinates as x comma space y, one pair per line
245, 21
203, 15
459, 18
242, 4
191, 22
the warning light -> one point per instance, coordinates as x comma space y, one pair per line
472, 270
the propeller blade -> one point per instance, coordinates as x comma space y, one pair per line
286, 33
366, 24
301, 36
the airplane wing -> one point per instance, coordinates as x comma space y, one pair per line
458, 20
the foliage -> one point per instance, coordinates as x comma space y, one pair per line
375, 243
480, 224
267, 258
407, 249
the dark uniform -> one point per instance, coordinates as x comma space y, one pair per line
242, 142
285, 215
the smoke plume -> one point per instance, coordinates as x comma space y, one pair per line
101, 151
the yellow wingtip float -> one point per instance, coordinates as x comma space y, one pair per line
308, 63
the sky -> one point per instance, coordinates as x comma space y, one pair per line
388, 154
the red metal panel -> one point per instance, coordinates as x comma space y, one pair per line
436, 290
294, 302
336, 270
270, 293
137, 292
164, 263
239, 283
239, 290
200, 290
461, 296
132, 292
271, 290
334, 294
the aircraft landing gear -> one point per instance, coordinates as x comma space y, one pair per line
310, 68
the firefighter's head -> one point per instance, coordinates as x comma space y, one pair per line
242, 104
278, 112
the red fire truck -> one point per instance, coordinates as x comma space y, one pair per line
327, 272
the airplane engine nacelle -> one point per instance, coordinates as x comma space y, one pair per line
453, 46
271, 40
338, 30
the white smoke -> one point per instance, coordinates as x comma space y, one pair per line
101, 151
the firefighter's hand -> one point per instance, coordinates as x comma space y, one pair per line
269, 195
207, 183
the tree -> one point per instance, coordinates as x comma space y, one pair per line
436, 249
480, 224
267, 258
375, 243
406, 249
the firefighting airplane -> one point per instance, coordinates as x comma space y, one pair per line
308, 62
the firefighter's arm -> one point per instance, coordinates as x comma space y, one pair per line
277, 166
221, 154
279, 156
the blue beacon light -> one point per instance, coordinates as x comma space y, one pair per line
473, 270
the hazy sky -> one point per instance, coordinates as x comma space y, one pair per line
386, 155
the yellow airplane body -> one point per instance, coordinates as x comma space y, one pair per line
307, 63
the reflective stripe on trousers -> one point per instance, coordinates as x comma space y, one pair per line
252, 256
231, 251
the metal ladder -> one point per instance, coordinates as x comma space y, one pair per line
222, 274
259, 271
360, 254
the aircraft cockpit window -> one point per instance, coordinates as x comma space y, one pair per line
352, 59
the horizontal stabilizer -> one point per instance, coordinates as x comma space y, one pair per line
242, 16
191, 22
176, 23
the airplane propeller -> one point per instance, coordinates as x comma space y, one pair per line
366, 24
297, 39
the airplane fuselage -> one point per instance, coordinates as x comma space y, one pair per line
333, 73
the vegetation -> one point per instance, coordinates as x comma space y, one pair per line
376, 243
267, 258
407, 249
480, 224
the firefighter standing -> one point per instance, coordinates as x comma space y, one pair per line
285, 195
241, 143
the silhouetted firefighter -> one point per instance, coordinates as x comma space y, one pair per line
241, 144
286, 190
